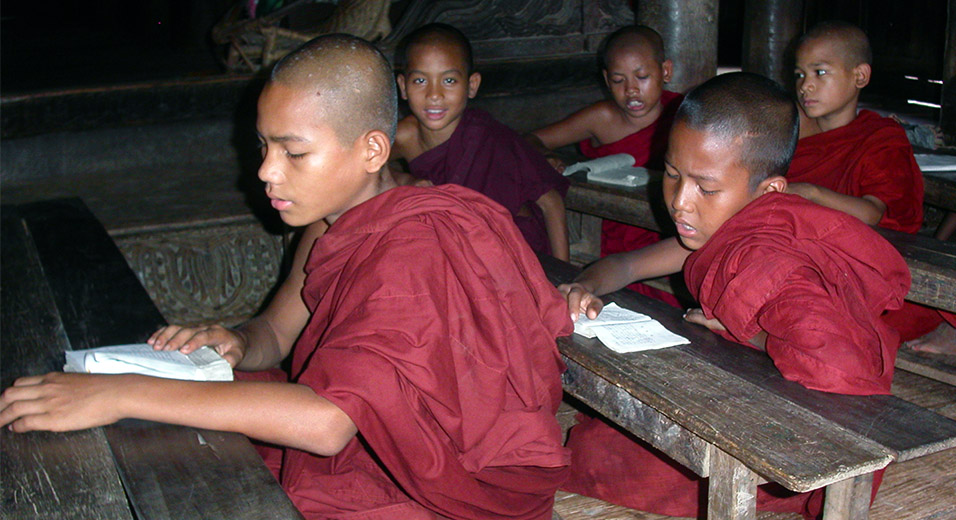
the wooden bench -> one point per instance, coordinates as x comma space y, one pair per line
932, 263
723, 411
66, 286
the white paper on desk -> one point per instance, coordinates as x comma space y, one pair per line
203, 364
623, 330
931, 162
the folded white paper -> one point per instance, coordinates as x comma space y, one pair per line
623, 330
936, 162
203, 364
614, 169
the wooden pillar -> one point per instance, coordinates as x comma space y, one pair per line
771, 26
689, 29
732, 489
947, 115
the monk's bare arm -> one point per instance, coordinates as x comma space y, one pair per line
617, 271
556, 223
572, 129
282, 413
265, 340
867, 208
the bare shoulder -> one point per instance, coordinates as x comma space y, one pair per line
406, 135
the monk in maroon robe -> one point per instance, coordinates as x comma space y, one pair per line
491, 158
453, 386
804, 283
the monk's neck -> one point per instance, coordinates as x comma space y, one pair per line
837, 119
429, 139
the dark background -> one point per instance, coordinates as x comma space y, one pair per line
60, 44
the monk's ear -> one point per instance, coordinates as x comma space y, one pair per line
667, 69
376, 146
474, 81
861, 75
400, 79
606, 82
774, 183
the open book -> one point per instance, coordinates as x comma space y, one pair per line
203, 364
615, 169
623, 330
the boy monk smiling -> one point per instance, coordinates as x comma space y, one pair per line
859, 163
443, 141
425, 376
805, 283
636, 121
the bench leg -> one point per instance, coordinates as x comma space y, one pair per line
849, 499
732, 493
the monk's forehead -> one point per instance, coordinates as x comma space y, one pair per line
841, 47
635, 43
442, 43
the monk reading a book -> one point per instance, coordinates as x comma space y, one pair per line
804, 283
424, 371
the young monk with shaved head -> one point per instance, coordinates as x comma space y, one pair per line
424, 373
636, 121
771, 270
859, 162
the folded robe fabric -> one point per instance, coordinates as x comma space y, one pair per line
647, 146
434, 329
817, 281
872, 156
868, 156
491, 158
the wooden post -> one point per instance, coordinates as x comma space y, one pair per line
689, 29
849, 499
947, 115
772, 26
732, 489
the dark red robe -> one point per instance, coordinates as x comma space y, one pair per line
491, 158
433, 327
872, 156
647, 146
817, 280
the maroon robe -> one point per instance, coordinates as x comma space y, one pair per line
647, 146
817, 280
872, 156
490, 158
433, 327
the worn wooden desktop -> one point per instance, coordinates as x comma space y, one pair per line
65, 286
723, 411
932, 263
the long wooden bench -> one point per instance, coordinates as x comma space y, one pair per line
65, 286
723, 411
932, 262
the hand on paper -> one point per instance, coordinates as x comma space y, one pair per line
580, 300
61, 402
227, 342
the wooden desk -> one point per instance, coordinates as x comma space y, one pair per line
939, 189
724, 411
65, 286
932, 263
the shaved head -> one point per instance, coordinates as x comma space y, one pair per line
749, 109
853, 45
436, 34
632, 36
351, 78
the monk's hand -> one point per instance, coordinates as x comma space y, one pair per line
697, 316
62, 402
581, 300
230, 344
423, 183
556, 162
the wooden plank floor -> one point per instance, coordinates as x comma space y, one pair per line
919, 489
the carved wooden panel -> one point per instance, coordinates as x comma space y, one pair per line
206, 274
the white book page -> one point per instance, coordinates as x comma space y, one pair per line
202, 365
